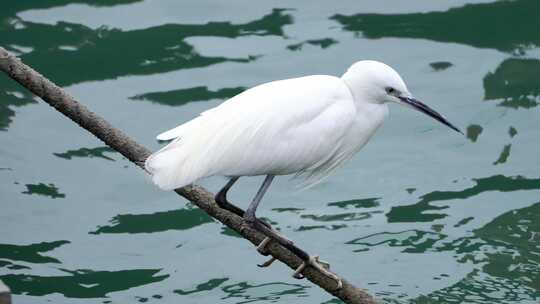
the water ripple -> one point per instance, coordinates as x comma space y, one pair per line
30, 253
183, 96
181, 219
521, 35
82, 283
415, 212
98, 152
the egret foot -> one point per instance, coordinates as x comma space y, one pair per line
322, 266
270, 234
259, 223
267, 263
262, 247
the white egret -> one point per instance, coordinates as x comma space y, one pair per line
306, 126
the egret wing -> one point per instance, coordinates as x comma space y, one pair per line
280, 127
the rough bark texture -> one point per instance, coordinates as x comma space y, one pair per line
116, 139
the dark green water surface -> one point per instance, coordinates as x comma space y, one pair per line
421, 215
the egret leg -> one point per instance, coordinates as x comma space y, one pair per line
221, 198
251, 219
249, 216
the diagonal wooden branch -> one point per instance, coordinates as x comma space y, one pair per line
116, 139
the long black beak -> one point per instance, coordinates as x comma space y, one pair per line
417, 105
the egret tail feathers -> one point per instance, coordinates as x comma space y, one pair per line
170, 168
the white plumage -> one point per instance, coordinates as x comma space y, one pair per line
306, 126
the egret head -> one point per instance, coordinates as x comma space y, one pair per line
376, 82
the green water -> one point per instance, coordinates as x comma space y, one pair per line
421, 215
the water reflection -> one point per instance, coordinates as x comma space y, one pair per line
516, 81
503, 157
97, 152
206, 286
18, 6
63, 50
505, 252
474, 131
325, 227
516, 237
512, 132
357, 203
12, 266
49, 190
288, 209
414, 241
30, 253
70, 53
322, 43
183, 96
82, 283
440, 65
335, 221
509, 269
181, 219
415, 212
482, 289
244, 292
348, 216
11, 95
464, 221
517, 33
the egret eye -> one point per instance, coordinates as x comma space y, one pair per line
390, 90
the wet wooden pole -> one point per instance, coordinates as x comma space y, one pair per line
5, 294
136, 153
